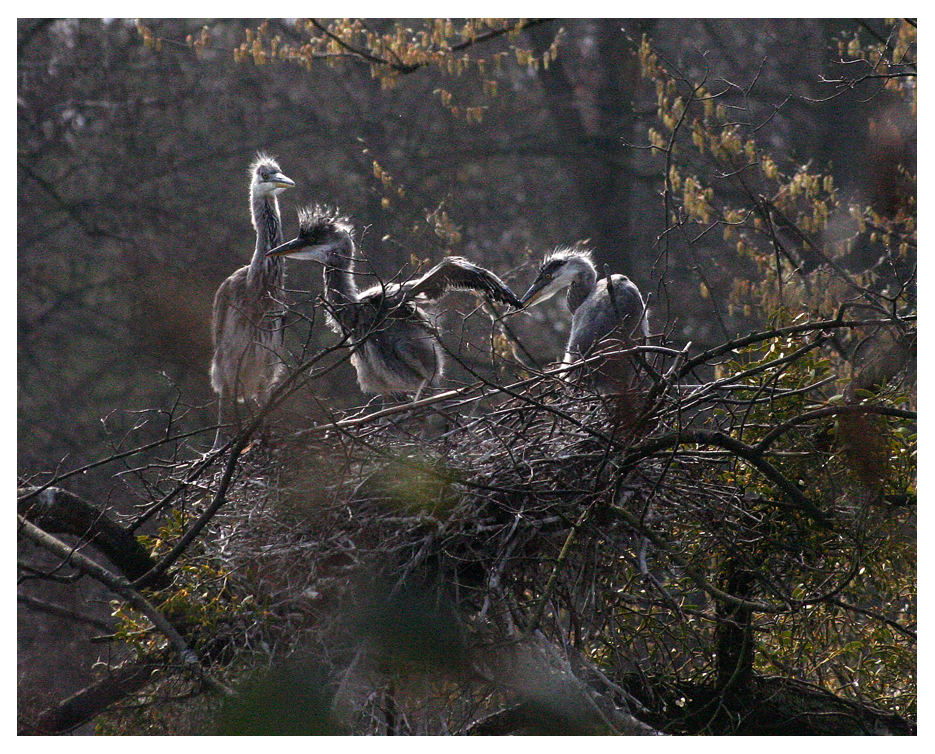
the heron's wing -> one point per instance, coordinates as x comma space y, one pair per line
627, 303
458, 274
602, 314
379, 290
221, 306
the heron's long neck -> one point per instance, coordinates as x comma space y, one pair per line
581, 285
340, 288
263, 269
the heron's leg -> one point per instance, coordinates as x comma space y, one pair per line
437, 422
419, 391
225, 418
264, 431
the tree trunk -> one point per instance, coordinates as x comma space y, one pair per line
599, 127
735, 635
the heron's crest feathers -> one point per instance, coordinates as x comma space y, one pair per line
563, 254
318, 220
263, 160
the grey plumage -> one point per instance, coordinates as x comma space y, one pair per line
598, 311
396, 350
247, 322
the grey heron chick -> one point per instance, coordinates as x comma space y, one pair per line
395, 347
247, 321
600, 307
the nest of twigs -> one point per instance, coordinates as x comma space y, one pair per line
451, 542
525, 560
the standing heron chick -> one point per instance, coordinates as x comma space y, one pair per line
598, 310
395, 348
247, 323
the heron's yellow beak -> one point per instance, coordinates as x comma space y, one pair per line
302, 248
281, 180
537, 291
287, 248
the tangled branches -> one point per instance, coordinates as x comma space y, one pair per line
539, 557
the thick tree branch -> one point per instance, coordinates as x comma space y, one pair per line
818, 413
748, 453
62, 512
90, 701
126, 590
63, 612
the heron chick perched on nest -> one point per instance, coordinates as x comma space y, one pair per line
247, 322
600, 308
395, 348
